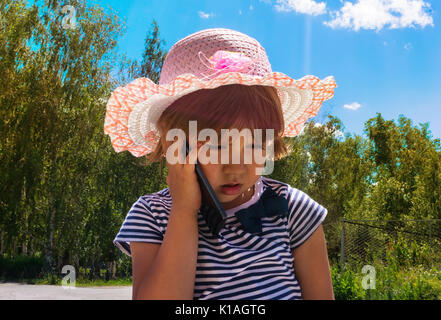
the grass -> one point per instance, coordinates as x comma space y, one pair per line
392, 282
79, 282
410, 283
103, 283
407, 273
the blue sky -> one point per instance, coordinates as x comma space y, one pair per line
385, 55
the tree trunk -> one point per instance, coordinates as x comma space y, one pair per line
2, 243
49, 250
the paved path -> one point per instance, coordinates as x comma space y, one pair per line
17, 291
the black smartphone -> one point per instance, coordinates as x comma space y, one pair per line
211, 208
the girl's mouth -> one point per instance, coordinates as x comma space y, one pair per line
231, 189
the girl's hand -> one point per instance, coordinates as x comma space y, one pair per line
183, 185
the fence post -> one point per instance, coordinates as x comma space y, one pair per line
342, 246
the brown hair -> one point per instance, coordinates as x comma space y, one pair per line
230, 106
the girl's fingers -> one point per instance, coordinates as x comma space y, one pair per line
192, 156
177, 157
180, 153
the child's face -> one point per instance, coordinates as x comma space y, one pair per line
240, 173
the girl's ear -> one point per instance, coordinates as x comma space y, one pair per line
165, 145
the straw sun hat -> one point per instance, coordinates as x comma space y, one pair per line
205, 60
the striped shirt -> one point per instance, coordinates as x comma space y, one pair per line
235, 264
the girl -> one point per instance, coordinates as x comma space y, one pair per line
272, 245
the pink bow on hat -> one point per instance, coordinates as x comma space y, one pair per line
227, 61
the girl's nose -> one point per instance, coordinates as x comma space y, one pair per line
235, 154
236, 170
235, 165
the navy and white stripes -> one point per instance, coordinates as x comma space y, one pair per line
235, 264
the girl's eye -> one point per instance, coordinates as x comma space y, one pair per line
216, 147
254, 146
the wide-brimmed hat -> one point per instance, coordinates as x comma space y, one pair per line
206, 60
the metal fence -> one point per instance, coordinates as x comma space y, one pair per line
403, 242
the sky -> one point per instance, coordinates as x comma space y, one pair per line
385, 55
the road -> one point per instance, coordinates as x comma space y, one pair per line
17, 291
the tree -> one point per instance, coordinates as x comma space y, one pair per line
50, 115
405, 178
153, 56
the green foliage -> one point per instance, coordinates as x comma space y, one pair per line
413, 283
345, 284
63, 190
407, 253
13, 268
408, 271
153, 56
406, 179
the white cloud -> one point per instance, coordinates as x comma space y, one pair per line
251, 7
240, 12
408, 46
352, 106
301, 6
377, 14
205, 15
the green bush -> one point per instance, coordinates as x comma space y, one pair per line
31, 269
21, 267
405, 283
402, 253
124, 267
345, 284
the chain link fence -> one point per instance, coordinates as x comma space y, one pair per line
403, 242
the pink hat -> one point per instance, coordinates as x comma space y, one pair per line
234, 58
